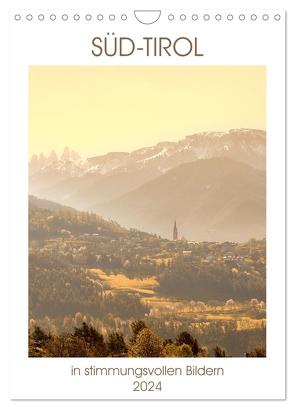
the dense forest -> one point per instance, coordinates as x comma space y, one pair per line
210, 282
60, 292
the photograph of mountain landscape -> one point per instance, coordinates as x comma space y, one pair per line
147, 211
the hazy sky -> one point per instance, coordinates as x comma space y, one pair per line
95, 110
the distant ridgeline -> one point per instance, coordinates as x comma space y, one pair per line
213, 183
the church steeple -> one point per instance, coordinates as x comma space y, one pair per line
175, 231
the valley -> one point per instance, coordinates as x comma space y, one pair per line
86, 269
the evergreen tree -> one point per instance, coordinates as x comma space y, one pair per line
186, 338
93, 338
136, 327
219, 352
257, 353
116, 344
39, 336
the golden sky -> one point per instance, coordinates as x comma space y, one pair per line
98, 109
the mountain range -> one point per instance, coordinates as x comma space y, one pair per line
212, 183
212, 200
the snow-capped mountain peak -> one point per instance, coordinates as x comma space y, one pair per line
245, 145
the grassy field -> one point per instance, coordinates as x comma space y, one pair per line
119, 282
246, 315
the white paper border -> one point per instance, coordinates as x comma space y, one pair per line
49, 378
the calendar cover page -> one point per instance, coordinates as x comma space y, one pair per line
148, 203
